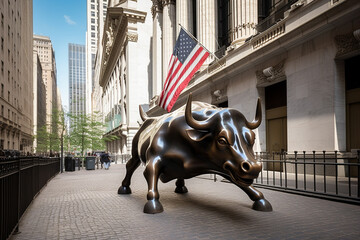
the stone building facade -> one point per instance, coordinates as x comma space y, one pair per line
43, 46
300, 57
124, 69
39, 99
95, 15
16, 73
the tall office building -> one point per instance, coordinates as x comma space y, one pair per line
16, 75
96, 14
77, 79
45, 51
39, 100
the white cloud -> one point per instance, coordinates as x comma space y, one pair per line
68, 20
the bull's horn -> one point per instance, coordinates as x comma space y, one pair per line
256, 123
143, 115
199, 125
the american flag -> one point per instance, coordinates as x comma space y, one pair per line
187, 58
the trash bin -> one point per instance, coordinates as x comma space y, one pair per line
77, 163
90, 163
69, 164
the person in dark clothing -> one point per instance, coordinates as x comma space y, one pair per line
105, 160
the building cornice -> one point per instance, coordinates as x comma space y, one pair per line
116, 34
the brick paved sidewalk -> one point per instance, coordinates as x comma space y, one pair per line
85, 205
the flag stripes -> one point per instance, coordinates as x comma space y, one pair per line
180, 73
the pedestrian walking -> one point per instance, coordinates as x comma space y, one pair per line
105, 160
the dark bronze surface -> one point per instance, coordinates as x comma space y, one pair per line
195, 140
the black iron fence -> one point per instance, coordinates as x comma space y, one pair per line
21, 179
331, 175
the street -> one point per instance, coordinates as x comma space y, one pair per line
85, 205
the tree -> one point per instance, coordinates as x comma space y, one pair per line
50, 136
42, 137
86, 132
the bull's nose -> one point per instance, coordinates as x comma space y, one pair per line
252, 168
246, 167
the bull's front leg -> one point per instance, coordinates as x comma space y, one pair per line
260, 203
131, 166
152, 173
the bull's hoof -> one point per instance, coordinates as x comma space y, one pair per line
153, 206
124, 190
262, 205
182, 189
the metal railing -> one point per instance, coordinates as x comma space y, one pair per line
21, 179
330, 175
276, 13
120, 158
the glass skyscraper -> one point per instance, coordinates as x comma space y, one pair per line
77, 79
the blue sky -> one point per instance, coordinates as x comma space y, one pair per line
64, 21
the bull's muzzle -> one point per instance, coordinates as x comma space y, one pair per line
244, 173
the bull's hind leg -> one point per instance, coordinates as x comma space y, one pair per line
151, 174
131, 166
180, 186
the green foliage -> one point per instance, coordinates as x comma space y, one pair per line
86, 132
50, 136
43, 140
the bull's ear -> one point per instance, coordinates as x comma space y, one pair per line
196, 135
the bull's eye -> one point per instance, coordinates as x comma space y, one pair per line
249, 138
222, 141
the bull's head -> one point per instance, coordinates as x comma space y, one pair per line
232, 143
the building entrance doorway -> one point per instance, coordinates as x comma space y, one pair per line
276, 123
352, 79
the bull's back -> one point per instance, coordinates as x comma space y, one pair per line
157, 128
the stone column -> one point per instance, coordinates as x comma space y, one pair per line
184, 16
244, 17
157, 14
169, 31
206, 25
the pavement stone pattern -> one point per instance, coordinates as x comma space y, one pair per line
85, 205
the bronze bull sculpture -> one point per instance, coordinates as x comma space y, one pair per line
184, 144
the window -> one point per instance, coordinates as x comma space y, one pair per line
9, 96
92, 20
93, 6
2, 67
92, 27
224, 28
92, 13
2, 43
2, 110
2, 90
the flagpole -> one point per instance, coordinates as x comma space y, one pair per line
194, 38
